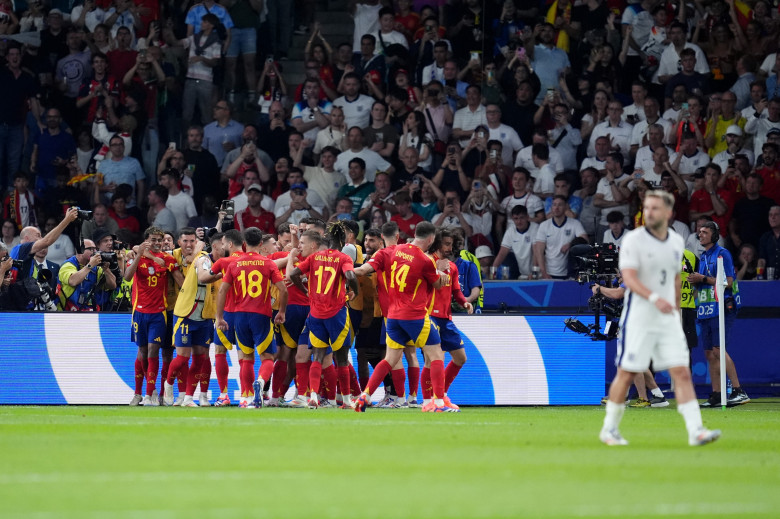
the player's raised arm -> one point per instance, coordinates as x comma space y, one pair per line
364, 270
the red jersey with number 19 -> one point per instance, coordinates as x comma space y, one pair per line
410, 275
150, 284
221, 265
441, 299
251, 277
327, 293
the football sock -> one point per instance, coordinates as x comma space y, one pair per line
450, 372
205, 374
279, 374
249, 377
265, 371
164, 371
175, 367
399, 381
344, 382
139, 376
151, 374
691, 414
223, 370
614, 415
193, 377
330, 382
315, 372
181, 378
302, 377
427, 388
437, 379
382, 369
354, 385
241, 377
413, 373
657, 392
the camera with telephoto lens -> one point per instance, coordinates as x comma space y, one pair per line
40, 292
18, 264
110, 258
118, 245
596, 263
83, 214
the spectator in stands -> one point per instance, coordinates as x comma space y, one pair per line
52, 148
129, 226
722, 117
519, 113
434, 70
357, 107
769, 245
180, 204
160, 216
712, 201
519, 239
479, 208
608, 193
201, 167
563, 188
254, 215
590, 214
380, 198
618, 131
358, 188
564, 138
324, 180
223, 134
765, 118
470, 116
747, 262
380, 136
750, 217
10, 238
548, 61
241, 201
451, 215
426, 198
734, 140
367, 63
406, 219
21, 204
525, 158
298, 202
554, 239
372, 160
617, 228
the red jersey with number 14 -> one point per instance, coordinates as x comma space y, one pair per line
251, 277
441, 299
410, 275
326, 270
150, 284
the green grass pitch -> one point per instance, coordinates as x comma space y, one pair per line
96, 462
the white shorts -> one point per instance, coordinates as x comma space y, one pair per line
665, 348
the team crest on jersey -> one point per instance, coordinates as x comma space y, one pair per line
568, 232
359, 108
528, 239
151, 271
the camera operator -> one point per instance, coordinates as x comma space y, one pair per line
86, 280
6, 264
106, 244
32, 242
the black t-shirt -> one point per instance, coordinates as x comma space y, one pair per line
752, 218
206, 175
521, 118
589, 20
16, 92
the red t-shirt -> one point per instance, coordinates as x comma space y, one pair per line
701, 202
221, 265
251, 277
410, 275
327, 292
294, 294
150, 284
407, 226
264, 221
771, 187
441, 299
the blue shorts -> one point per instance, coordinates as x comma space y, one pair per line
254, 331
383, 332
412, 332
450, 336
149, 328
169, 320
226, 338
333, 332
188, 333
709, 331
303, 340
355, 316
289, 333
242, 41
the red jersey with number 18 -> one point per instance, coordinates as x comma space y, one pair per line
251, 277
327, 293
410, 275
150, 284
221, 265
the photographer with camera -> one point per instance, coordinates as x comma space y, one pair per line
86, 278
32, 242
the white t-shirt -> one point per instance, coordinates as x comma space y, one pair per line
61, 250
554, 237
545, 180
593, 162
389, 38
325, 184
182, 207
510, 140
92, 19
374, 162
240, 203
640, 130
531, 202
644, 158
619, 135
605, 189
466, 119
722, 158
669, 64
521, 244
302, 111
366, 19
611, 238
356, 112
525, 159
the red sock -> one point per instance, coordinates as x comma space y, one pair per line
175, 367
280, 373
354, 386
193, 377
139, 376
450, 372
266, 368
381, 370
427, 388
205, 374
399, 381
414, 379
249, 377
437, 378
223, 370
182, 376
151, 374
330, 382
315, 372
164, 372
344, 382
241, 387
363, 383
302, 377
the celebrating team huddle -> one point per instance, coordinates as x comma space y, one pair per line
294, 302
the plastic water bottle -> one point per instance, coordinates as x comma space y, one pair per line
728, 387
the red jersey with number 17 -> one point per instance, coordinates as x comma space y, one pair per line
326, 270
441, 299
410, 275
221, 265
294, 294
150, 284
251, 277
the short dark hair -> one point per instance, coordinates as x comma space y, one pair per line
360, 162
424, 230
253, 236
519, 209
614, 217
153, 231
390, 230
373, 232
171, 172
161, 192
186, 230
541, 151
314, 236
235, 237
617, 157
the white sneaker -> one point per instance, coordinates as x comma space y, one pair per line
137, 399
188, 402
313, 403
204, 400
612, 437
413, 403
179, 400
703, 437
156, 400
167, 393
146, 401
298, 401
386, 401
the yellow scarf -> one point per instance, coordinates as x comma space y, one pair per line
562, 40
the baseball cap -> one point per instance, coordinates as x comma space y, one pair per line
734, 130
375, 77
55, 12
483, 251
301, 185
773, 131
255, 187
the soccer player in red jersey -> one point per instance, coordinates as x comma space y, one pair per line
327, 269
440, 310
411, 277
149, 271
250, 278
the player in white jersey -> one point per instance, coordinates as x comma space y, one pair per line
651, 330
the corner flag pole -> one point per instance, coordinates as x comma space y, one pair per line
720, 290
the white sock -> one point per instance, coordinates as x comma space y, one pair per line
313, 396
223, 395
426, 401
657, 392
439, 402
614, 415
691, 414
